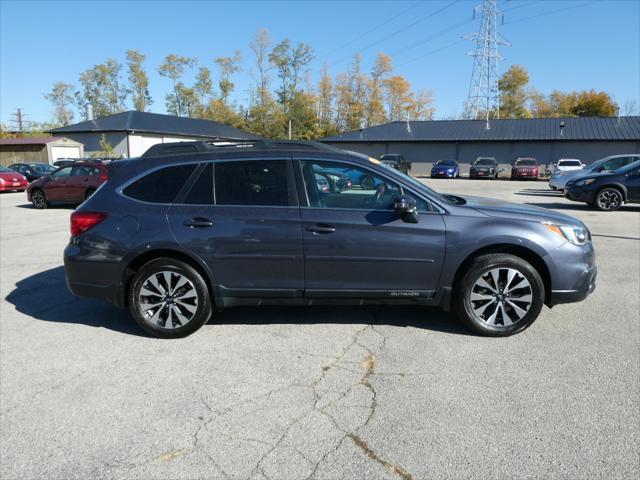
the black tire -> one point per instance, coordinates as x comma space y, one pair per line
608, 199
203, 306
38, 199
463, 306
367, 182
88, 193
552, 187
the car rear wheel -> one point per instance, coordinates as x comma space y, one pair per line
608, 199
39, 200
499, 295
169, 299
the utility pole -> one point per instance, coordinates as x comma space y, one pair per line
483, 97
18, 122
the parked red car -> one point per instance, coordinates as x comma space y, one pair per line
525, 167
12, 181
72, 184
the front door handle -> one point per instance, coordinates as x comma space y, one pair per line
321, 228
198, 222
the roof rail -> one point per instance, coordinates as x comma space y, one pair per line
176, 148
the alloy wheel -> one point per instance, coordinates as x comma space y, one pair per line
38, 199
609, 200
168, 299
501, 297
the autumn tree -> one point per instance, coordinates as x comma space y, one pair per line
587, 103
513, 95
399, 98
138, 81
173, 67
375, 104
102, 89
61, 96
325, 97
356, 111
227, 66
260, 47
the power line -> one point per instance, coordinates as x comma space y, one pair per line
569, 7
430, 38
364, 34
396, 32
457, 42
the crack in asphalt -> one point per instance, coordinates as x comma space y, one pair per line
367, 371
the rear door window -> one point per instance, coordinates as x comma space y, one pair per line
160, 186
252, 182
202, 191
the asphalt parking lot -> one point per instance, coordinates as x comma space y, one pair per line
287, 393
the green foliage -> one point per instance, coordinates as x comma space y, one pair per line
106, 150
138, 81
178, 101
513, 95
61, 96
102, 89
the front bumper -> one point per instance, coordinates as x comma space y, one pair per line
579, 194
443, 174
557, 182
573, 273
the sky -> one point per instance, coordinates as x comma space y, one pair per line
564, 45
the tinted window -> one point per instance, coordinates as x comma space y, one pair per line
160, 186
252, 183
484, 161
569, 163
446, 163
526, 162
81, 171
202, 191
63, 172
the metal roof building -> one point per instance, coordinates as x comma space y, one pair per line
132, 133
546, 139
38, 149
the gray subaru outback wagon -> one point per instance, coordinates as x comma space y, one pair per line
194, 227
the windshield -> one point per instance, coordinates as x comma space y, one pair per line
628, 168
569, 163
526, 162
419, 185
484, 161
5, 169
43, 168
446, 163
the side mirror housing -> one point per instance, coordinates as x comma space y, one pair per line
405, 208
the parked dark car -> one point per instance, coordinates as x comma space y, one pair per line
608, 164
337, 180
174, 238
33, 171
445, 169
525, 167
607, 191
397, 161
72, 184
484, 167
11, 181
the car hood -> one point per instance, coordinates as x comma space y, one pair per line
500, 209
9, 176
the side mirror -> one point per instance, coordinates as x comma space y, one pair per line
405, 208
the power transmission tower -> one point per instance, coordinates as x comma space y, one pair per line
483, 98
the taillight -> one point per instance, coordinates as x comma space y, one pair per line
83, 221
104, 177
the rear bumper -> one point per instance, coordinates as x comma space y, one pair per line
92, 278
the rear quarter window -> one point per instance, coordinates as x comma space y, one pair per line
160, 186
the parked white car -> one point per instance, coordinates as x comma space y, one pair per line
568, 164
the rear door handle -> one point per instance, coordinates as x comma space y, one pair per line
321, 228
198, 222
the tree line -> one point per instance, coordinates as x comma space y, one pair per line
285, 96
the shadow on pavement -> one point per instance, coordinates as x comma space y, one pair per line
582, 207
50, 207
44, 296
539, 192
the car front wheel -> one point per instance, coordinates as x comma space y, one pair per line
169, 298
608, 199
499, 295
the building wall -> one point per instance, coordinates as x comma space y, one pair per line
139, 143
423, 154
91, 142
23, 153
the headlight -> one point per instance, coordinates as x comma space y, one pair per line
586, 181
570, 233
